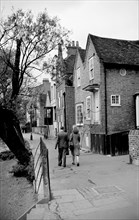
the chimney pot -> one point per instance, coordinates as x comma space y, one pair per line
73, 45
77, 44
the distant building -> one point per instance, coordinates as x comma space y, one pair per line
64, 87
37, 107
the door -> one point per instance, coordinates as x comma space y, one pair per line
137, 111
96, 107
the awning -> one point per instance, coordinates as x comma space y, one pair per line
92, 87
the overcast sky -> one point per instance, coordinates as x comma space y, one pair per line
111, 18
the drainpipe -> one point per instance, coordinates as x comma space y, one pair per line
106, 125
65, 124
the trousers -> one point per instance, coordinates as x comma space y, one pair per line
62, 156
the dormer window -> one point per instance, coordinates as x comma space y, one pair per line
78, 77
91, 68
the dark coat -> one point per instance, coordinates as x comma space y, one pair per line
62, 140
75, 138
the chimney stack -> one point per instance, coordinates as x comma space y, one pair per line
72, 48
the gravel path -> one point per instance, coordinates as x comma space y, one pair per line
16, 194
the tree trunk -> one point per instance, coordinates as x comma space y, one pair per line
10, 133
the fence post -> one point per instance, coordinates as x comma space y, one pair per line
45, 170
48, 176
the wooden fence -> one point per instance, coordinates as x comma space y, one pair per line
41, 167
114, 144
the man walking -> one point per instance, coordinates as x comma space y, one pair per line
62, 143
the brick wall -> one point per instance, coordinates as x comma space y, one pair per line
122, 117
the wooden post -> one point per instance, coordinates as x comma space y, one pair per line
45, 170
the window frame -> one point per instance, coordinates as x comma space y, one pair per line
77, 122
115, 103
58, 99
88, 118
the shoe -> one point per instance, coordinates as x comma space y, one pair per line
78, 164
64, 165
59, 165
73, 163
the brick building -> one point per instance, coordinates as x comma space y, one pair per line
106, 93
64, 87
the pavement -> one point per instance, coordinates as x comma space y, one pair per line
102, 187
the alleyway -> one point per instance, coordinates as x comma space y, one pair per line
102, 187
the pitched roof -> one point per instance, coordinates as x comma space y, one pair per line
116, 51
82, 54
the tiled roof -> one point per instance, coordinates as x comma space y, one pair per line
82, 54
116, 51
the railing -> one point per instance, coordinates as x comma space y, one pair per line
41, 167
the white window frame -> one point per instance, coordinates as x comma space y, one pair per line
115, 101
54, 91
52, 95
78, 71
61, 120
77, 121
88, 109
58, 99
61, 98
91, 68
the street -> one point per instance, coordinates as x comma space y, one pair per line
102, 187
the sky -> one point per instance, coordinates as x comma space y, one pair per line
105, 18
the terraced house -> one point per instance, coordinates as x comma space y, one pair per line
106, 83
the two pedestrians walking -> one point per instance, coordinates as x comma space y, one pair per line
63, 143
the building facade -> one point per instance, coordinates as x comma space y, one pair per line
65, 89
105, 93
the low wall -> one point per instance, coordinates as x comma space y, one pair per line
134, 146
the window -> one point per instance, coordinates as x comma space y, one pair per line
115, 100
61, 98
58, 99
91, 68
54, 91
79, 114
78, 77
52, 94
88, 108
61, 120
